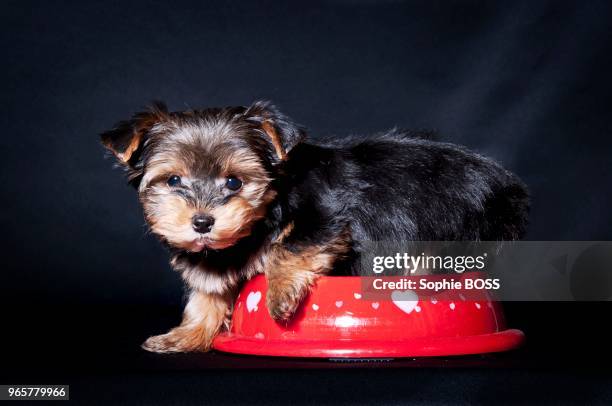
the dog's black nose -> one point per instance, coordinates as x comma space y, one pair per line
202, 223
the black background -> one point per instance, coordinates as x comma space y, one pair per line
527, 83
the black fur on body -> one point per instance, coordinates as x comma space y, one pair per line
399, 186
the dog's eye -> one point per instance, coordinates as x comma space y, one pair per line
233, 183
174, 180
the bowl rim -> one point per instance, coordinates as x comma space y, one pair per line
416, 347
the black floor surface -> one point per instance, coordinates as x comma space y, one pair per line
96, 351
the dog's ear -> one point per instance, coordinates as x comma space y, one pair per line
126, 139
277, 129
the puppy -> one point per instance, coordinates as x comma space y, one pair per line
238, 191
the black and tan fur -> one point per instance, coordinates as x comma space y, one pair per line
303, 207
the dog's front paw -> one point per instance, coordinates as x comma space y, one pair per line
179, 339
285, 294
282, 306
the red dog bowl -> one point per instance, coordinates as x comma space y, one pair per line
336, 320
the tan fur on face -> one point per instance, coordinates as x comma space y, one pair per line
170, 216
162, 165
204, 316
234, 220
245, 164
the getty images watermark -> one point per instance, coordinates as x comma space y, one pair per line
509, 271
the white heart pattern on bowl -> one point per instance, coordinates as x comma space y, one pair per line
406, 300
252, 301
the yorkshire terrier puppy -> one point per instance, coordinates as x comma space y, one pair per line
238, 191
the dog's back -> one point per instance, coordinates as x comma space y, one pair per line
404, 186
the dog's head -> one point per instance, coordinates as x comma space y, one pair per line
204, 177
